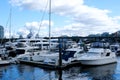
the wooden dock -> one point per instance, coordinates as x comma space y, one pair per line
49, 65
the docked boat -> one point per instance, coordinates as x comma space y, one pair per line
41, 56
68, 56
71, 54
98, 56
4, 58
49, 57
24, 50
115, 48
4, 62
42, 43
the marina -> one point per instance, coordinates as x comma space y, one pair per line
59, 40
74, 62
22, 71
75, 55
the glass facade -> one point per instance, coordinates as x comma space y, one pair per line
1, 31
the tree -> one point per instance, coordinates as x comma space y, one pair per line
105, 34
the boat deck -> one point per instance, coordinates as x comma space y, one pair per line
50, 65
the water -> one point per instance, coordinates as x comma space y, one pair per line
26, 72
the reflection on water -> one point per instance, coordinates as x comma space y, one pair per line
104, 72
74, 74
25, 72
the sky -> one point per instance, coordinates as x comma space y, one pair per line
68, 17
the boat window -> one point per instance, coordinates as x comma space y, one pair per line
108, 54
45, 41
92, 53
38, 41
22, 41
9, 48
32, 41
33, 50
19, 51
20, 45
116, 48
41, 45
45, 44
68, 52
55, 41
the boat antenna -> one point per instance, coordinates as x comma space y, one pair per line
49, 24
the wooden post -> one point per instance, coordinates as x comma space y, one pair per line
60, 52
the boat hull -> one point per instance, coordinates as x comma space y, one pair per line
101, 61
4, 62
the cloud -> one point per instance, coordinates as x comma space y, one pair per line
9, 34
85, 19
29, 4
35, 27
40, 4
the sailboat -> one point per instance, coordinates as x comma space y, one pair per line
41, 55
4, 60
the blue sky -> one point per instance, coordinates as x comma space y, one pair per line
112, 5
69, 17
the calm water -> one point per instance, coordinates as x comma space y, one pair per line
25, 72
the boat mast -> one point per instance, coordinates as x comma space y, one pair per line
10, 24
49, 24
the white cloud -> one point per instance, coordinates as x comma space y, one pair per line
9, 34
85, 19
23, 32
29, 4
35, 27
40, 4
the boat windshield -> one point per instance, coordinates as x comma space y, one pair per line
67, 54
20, 45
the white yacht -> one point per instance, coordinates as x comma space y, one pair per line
98, 56
23, 48
33, 53
43, 44
31, 42
9, 48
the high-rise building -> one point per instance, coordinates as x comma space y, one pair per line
1, 31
